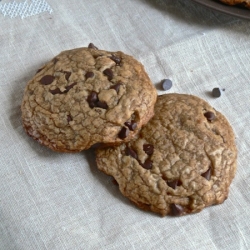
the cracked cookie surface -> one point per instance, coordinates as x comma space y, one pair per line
85, 97
182, 160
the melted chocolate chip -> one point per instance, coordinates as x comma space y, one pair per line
148, 164
46, 80
55, 91
207, 174
114, 181
67, 75
92, 46
69, 87
92, 99
116, 87
69, 118
116, 59
131, 152
148, 149
173, 184
176, 210
209, 115
89, 75
132, 125
102, 104
108, 73
123, 133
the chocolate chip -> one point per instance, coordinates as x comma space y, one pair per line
176, 210
207, 174
123, 133
114, 181
131, 152
209, 115
92, 99
69, 87
55, 60
92, 46
102, 104
148, 164
55, 91
216, 92
39, 70
148, 149
166, 84
116, 59
69, 118
173, 184
89, 75
46, 80
132, 125
67, 75
108, 73
116, 87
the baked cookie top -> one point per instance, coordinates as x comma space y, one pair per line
183, 160
85, 97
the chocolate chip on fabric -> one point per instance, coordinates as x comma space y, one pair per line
207, 174
116, 87
148, 149
92, 46
209, 115
176, 210
148, 164
124, 132
89, 75
39, 70
116, 59
166, 84
216, 92
102, 104
132, 125
55, 60
130, 152
47, 79
108, 73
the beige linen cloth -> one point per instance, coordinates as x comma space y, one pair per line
59, 201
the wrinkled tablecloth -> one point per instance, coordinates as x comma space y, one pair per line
58, 201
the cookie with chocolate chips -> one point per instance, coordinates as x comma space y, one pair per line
85, 97
182, 161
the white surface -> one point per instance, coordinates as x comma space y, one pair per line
61, 201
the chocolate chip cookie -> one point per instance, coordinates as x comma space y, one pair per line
182, 161
85, 97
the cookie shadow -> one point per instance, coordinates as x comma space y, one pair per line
109, 183
106, 181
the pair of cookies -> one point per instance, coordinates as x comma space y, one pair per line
172, 154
